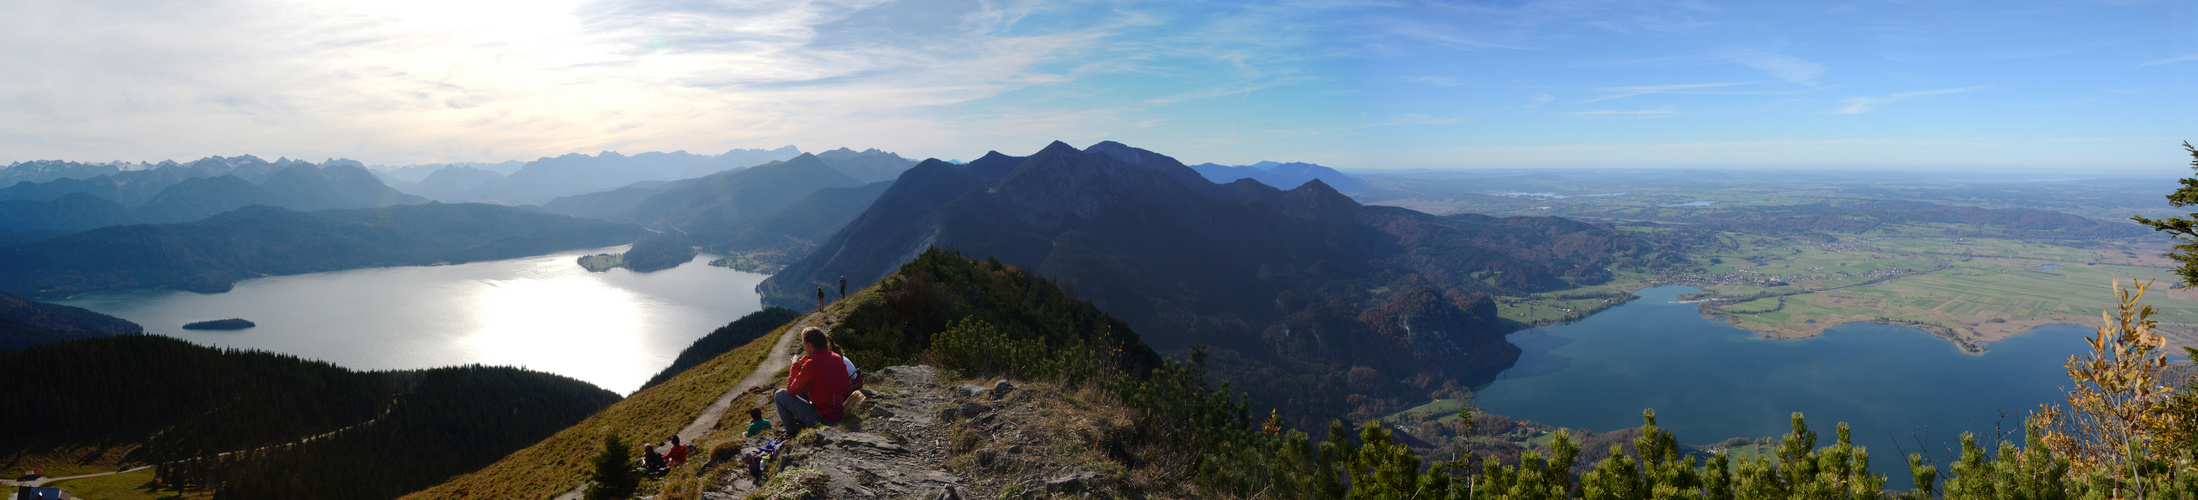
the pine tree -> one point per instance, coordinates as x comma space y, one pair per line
2183, 229
615, 476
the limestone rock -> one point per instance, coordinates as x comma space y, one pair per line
864, 439
1072, 484
909, 375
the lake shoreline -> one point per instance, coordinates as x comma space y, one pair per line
544, 313
1711, 381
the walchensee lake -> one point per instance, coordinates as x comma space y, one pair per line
1900, 389
613, 329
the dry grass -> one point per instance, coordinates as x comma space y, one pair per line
560, 463
68, 461
796, 484
1075, 429
133, 485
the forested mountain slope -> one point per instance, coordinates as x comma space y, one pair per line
25, 323
118, 402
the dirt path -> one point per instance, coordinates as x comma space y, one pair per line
781, 353
44, 480
772, 363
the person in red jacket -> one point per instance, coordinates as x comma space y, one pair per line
816, 386
678, 453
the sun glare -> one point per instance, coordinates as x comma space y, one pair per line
542, 320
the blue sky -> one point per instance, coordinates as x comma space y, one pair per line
2018, 85
2076, 87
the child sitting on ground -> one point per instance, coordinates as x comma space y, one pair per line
756, 423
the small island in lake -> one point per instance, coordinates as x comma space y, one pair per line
602, 261
220, 324
654, 253
761, 262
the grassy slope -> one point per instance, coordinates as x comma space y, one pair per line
122, 486
68, 460
560, 463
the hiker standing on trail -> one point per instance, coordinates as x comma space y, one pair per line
843, 287
820, 298
816, 387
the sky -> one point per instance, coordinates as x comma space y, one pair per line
2061, 87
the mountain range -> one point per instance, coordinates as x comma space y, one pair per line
1289, 285
545, 179
449, 184
402, 177
181, 192
1280, 175
776, 211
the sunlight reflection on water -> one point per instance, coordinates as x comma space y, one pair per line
613, 329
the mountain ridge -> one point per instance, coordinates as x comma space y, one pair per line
1279, 175
1290, 282
173, 192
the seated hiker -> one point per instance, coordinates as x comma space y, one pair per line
678, 455
652, 463
816, 388
756, 423
854, 382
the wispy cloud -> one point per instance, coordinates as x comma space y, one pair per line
1769, 61
441, 80
1638, 113
1624, 92
1857, 105
1205, 94
1436, 81
1413, 119
1782, 67
2171, 60
1444, 36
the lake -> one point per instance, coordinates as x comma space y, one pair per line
1894, 386
613, 329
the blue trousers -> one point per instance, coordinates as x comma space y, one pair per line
793, 409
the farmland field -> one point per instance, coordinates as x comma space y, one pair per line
1788, 255
1970, 290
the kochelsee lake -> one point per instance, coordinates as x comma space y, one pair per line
1900, 389
613, 329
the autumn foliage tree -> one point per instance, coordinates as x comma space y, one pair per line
2118, 390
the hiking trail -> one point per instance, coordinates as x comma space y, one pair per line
780, 355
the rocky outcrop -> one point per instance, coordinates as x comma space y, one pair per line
919, 436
